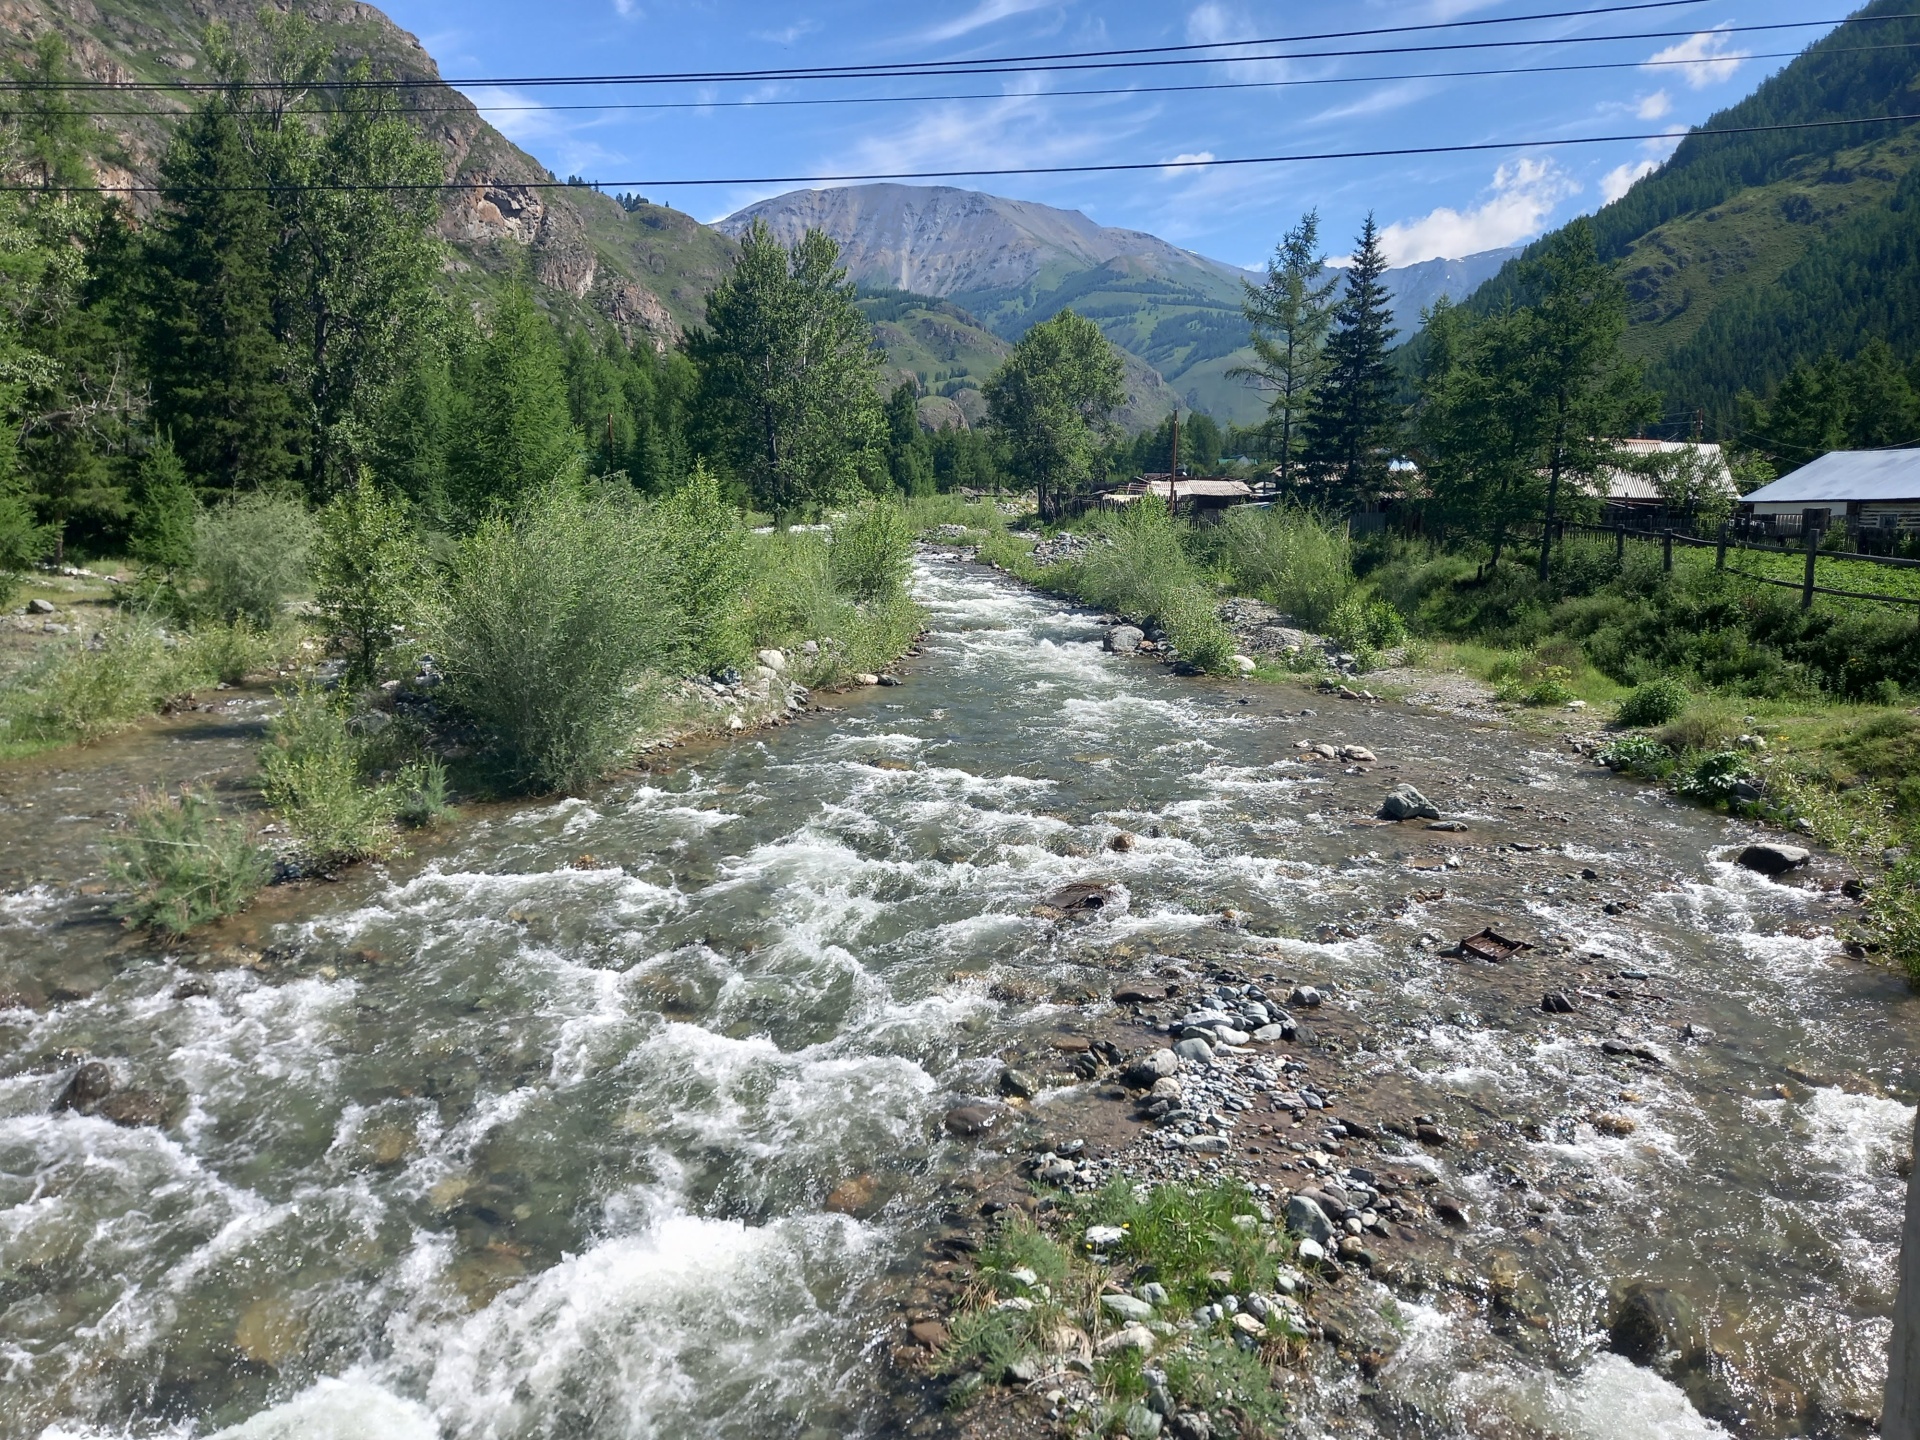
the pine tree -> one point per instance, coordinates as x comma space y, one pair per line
219, 382
513, 431
1353, 425
1288, 317
909, 453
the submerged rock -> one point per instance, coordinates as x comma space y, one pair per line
1655, 1326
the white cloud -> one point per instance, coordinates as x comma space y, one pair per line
982, 15
1188, 163
1652, 107
557, 137
1524, 194
1617, 181
626, 9
1704, 58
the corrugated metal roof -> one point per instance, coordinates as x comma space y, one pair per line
1843, 475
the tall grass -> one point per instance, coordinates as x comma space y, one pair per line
85, 689
183, 865
856, 609
312, 775
1290, 556
1143, 570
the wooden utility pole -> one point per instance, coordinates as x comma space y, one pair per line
1173, 468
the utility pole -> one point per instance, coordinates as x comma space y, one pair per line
1173, 468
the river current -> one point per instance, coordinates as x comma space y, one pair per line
530, 1136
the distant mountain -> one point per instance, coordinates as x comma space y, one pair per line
647, 272
1005, 265
1745, 254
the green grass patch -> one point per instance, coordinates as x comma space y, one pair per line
182, 864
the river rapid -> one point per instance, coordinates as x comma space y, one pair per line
530, 1136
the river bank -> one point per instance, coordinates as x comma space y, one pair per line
627, 1112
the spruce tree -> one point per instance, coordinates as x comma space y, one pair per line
513, 431
1353, 426
219, 383
163, 515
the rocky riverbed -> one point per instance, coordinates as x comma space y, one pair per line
682, 1109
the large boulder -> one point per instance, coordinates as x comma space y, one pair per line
1403, 802
1125, 639
1306, 1219
1771, 859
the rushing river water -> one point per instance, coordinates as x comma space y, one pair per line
531, 1137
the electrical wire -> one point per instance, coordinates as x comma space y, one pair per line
619, 105
937, 69
1101, 169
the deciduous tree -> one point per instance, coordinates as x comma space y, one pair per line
1052, 399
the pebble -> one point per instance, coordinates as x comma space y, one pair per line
1195, 1050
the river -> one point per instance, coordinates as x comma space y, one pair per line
529, 1135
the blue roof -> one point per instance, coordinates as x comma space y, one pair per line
1842, 475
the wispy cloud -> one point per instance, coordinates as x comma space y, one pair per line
1652, 107
786, 35
1523, 194
1215, 23
986, 13
625, 9
1706, 56
557, 137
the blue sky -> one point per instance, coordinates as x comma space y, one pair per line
1430, 206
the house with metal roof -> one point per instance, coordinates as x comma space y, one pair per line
1871, 490
1633, 487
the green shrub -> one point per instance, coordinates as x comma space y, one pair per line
83, 690
872, 551
312, 778
1638, 755
1357, 625
1552, 685
230, 653
420, 794
1713, 778
250, 557
704, 548
1654, 703
183, 865
1291, 557
1192, 622
369, 569
553, 621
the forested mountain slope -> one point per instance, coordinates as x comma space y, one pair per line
1746, 254
647, 271
1009, 264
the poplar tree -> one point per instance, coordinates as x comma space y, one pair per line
1288, 317
1052, 398
1353, 425
789, 375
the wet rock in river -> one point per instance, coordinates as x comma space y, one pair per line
1403, 802
87, 1087
1557, 1002
1018, 1084
1771, 859
1655, 1326
1124, 639
970, 1120
852, 1197
1135, 991
1084, 897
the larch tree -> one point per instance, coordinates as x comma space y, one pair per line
1288, 318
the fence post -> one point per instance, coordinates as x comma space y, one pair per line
1620, 543
1720, 551
1666, 550
1813, 550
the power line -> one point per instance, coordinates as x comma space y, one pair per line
938, 65
1110, 168
927, 69
488, 109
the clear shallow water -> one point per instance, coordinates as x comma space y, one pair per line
532, 1139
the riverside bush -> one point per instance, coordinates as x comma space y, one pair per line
703, 545
872, 551
1654, 703
312, 777
1289, 556
1144, 571
554, 619
183, 865
251, 556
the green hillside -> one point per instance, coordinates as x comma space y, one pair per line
1746, 254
